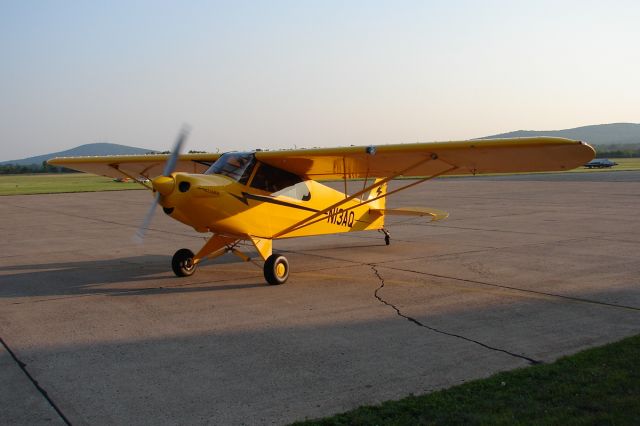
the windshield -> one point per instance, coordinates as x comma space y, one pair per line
236, 165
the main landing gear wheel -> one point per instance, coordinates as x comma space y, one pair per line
276, 269
182, 263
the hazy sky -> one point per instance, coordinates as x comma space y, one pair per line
276, 74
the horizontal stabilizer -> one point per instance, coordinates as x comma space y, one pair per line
414, 211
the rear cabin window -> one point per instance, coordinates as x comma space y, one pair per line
280, 182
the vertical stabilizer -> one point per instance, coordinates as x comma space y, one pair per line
381, 190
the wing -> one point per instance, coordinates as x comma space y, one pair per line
135, 166
427, 159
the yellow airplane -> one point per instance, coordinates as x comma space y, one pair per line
263, 196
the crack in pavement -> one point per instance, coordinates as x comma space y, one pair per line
523, 290
470, 281
436, 330
35, 383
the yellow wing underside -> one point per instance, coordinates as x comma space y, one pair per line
462, 157
135, 166
417, 159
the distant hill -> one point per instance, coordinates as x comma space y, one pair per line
600, 134
88, 149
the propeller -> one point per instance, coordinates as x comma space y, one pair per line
168, 169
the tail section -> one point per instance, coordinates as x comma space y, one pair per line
377, 207
379, 191
374, 216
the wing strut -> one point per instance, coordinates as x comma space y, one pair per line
344, 175
136, 180
310, 220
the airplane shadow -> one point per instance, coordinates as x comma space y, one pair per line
142, 275
146, 274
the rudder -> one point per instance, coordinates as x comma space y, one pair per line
381, 190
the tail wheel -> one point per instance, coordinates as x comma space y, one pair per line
276, 269
387, 236
182, 263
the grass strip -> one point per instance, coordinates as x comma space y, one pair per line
597, 386
57, 183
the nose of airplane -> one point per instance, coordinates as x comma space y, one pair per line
163, 184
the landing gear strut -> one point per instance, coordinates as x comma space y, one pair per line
182, 263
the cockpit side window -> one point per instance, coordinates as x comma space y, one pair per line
280, 182
236, 165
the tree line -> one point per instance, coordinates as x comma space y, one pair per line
618, 150
17, 169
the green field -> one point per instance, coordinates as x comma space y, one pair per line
623, 164
55, 183
599, 386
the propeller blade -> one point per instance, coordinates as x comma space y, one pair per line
175, 152
142, 230
168, 169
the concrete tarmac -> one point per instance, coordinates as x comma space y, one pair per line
97, 330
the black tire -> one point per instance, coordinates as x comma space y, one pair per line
276, 269
182, 263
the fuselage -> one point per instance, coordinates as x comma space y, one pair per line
258, 202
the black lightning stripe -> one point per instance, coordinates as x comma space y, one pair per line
246, 197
